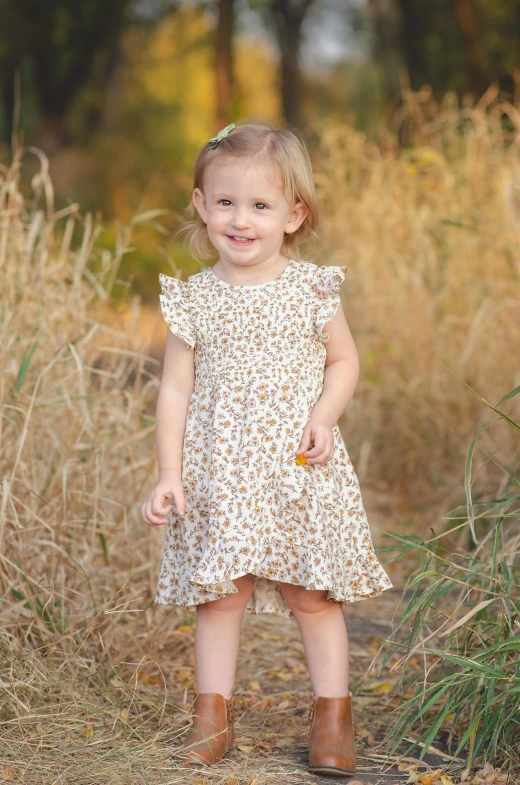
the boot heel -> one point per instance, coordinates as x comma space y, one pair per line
331, 736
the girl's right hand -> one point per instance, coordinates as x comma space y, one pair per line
155, 510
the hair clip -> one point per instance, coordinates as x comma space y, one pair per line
215, 140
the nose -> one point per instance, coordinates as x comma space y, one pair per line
240, 218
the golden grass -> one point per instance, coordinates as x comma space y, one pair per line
432, 249
433, 252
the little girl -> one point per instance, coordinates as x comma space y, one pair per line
267, 515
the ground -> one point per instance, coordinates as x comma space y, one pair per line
272, 694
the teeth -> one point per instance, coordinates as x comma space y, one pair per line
242, 239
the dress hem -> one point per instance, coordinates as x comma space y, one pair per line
347, 599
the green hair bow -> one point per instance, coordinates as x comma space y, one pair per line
215, 140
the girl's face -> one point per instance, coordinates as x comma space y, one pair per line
246, 211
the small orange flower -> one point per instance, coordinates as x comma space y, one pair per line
301, 460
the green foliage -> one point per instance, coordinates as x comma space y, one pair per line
463, 617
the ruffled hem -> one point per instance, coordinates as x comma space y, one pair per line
176, 310
326, 284
345, 583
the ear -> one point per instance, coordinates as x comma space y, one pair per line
298, 215
199, 201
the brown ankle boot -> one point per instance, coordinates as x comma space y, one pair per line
211, 734
331, 736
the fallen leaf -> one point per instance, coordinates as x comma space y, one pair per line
7, 773
283, 705
283, 741
87, 732
255, 686
282, 675
186, 628
125, 715
413, 777
487, 772
446, 780
465, 775
150, 678
429, 779
186, 678
244, 748
365, 700
380, 687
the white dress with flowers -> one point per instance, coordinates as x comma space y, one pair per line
259, 355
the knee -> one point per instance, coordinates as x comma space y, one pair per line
233, 603
301, 600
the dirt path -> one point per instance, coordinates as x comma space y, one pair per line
272, 694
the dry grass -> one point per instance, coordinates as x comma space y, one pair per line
430, 239
91, 682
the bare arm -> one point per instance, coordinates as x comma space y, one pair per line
340, 381
177, 384
341, 371
175, 391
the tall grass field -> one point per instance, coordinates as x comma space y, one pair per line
429, 230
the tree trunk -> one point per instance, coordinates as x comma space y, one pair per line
288, 16
224, 62
411, 42
468, 27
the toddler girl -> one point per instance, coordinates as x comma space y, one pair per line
267, 515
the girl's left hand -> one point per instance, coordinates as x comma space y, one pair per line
320, 436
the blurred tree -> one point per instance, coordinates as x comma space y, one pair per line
466, 21
224, 75
450, 44
287, 18
60, 47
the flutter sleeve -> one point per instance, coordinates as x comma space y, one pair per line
175, 307
326, 285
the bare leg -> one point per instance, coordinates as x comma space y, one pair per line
324, 637
217, 636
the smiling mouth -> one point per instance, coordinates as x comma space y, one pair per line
242, 240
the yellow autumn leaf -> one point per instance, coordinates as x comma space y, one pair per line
282, 675
255, 686
429, 779
87, 732
185, 677
446, 780
380, 687
186, 628
125, 715
7, 773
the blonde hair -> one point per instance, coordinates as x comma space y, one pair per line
282, 148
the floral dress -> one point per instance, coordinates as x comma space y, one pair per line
259, 354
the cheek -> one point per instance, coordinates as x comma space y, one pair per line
216, 221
